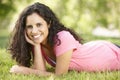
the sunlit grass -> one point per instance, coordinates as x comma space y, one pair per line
6, 63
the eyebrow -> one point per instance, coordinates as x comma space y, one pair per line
35, 24
27, 26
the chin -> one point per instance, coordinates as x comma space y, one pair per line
37, 42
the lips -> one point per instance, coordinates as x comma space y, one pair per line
37, 36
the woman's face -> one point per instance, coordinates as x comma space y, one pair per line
36, 28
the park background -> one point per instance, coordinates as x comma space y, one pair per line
91, 19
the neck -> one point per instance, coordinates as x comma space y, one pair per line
46, 45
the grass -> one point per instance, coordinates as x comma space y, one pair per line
4, 38
6, 63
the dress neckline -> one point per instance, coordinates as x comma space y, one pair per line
48, 59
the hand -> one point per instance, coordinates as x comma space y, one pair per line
25, 70
16, 69
29, 40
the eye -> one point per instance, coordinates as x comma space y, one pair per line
29, 27
38, 24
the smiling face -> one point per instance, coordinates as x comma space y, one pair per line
37, 28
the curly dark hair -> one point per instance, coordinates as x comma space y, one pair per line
19, 47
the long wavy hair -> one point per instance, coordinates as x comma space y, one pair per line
19, 47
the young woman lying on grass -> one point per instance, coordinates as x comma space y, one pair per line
40, 37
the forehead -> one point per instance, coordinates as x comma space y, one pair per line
33, 18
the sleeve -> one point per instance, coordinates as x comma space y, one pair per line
68, 42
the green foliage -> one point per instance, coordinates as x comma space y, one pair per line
6, 6
4, 38
81, 15
7, 10
85, 15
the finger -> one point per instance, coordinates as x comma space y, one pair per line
12, 70
28, 40
26, 37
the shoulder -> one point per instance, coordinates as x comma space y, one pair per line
65, 37
64, 33
67, 42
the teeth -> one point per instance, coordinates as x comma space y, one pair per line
36, 36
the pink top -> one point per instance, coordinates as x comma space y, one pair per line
92, 56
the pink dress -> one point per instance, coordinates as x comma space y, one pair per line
92, 56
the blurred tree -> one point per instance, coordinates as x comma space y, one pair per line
84, 15
6, 6
7, 10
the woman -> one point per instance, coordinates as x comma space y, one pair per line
40, 37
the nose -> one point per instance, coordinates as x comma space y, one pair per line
34, 30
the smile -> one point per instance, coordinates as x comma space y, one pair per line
37, 36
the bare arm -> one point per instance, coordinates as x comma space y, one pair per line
62, 63
25, 70
62, 66
38, 62
38, 65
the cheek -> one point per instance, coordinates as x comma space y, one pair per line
28, 33
46, 32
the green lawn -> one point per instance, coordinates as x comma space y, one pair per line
6, 63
